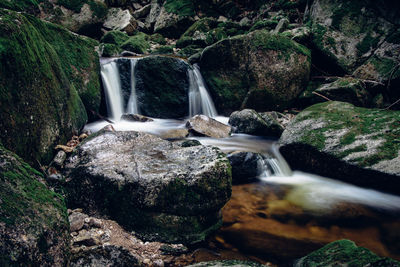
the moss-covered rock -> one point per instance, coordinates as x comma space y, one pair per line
172, 22
349, 32
227, 263
79, 60
155, 187
162, 87
33, 220
137, 43
29, 6
258, 70
346, 89
344, 253
43, 68
339, 140
115, 37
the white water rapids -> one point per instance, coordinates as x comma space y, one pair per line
312, 192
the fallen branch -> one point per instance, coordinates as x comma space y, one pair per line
397, 101
324, 97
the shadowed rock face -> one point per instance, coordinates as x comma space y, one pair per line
33, 219
161, 190
341, 141
258, 70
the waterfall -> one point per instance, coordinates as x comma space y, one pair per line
112, 89
200, 101
113, 92
132, 107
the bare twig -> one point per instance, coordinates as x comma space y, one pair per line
397, 101
324, 97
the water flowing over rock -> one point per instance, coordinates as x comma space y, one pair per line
248, 121
205, 126
341, 141
43, 78
245, 166
33, 219
257, 70
155, 187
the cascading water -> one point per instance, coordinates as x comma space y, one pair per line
113, 91
200, 101
132, 107
112, 88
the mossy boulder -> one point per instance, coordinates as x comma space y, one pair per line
174, 18
347, 33
137, 44
341, 141
344, 253
33, 220
160, 189
345, 89
44, 70
162, 87
115, 37
258, 70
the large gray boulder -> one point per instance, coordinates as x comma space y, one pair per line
339, 140
160, 189
258, 70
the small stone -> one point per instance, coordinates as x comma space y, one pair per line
135, 117
83, 136
59, 159
146, 261
158, 263
205, 126
76, 221
95, 223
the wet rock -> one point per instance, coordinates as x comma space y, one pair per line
154, 187
205, 126
33, 224
282, 26
344, 253
135, 117
259, 70
175, 134
248, 121
339, 140
59, 159
142, 12
244, 166
162, 87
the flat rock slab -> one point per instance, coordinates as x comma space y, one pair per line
341, 141
205, 126
149, 184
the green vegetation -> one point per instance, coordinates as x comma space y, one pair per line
180, 7
157, 38
24, 197
380, 125
264, 40
164, 50
115, 37
344, 253
264, 25
137, 43
29, 6
74, 5
367, 44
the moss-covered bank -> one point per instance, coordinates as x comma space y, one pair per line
44, 70
33, 219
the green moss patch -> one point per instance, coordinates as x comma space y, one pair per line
180, 7
378, 126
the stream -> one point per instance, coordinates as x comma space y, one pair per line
284, 214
